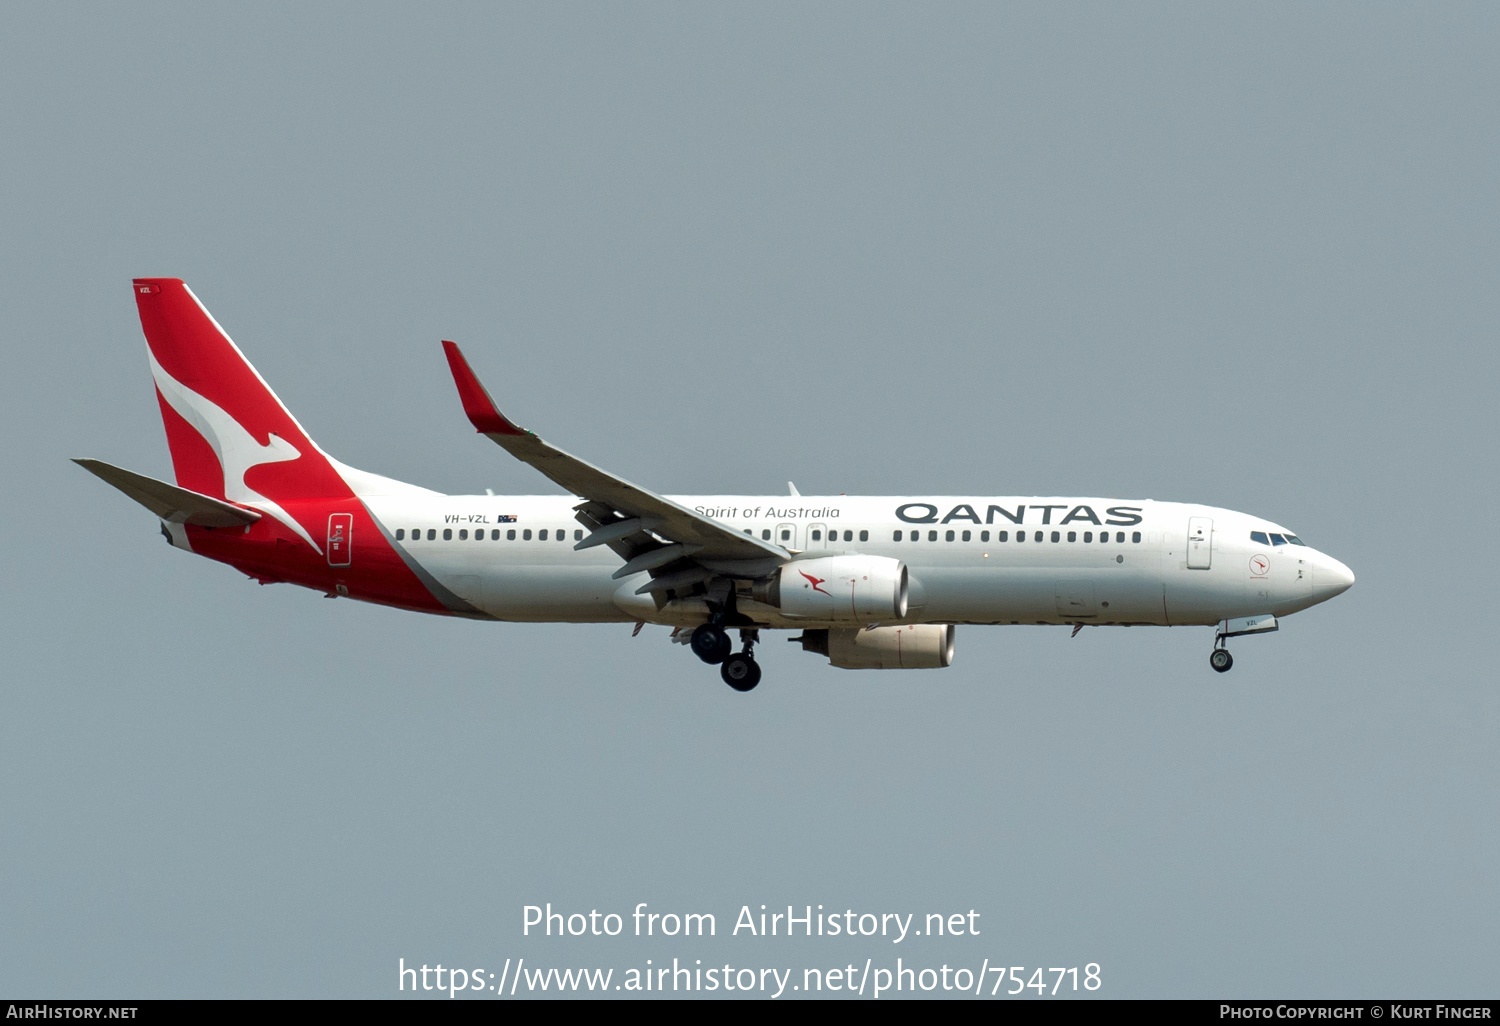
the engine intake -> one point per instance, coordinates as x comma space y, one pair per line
858, 589
920, 646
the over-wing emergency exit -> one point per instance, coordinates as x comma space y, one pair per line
868, 582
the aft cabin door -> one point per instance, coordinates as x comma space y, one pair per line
340, 538
1200, 543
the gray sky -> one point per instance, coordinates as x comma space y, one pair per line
1241, 255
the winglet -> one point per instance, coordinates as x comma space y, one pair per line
478, 406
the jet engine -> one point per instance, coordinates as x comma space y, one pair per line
858, 589
918, 646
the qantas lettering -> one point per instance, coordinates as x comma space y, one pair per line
1119, 516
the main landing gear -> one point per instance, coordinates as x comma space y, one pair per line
740, 671
710, 642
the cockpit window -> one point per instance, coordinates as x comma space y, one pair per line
1277, 539
1295, 540
1259, 536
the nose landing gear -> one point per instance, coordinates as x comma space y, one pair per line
1220, 660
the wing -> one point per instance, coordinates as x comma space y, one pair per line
687, 547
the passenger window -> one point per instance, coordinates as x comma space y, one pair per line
463, 534
495, 534
1088, 536
1002, 536
1072, 536
1259, 536
431, 534
578, 535
1120, 537
541, 535
1056, 536
1135, 537
895, 536
950, 535
562, 534
526, 534
817, 536
932, 536
400, 533
765, 535
1020, 536
786, 535
984, 536
967, 536
510, 535
447, 534
864, 536
1277, 539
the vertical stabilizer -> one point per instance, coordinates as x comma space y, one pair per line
230, 436
253, 490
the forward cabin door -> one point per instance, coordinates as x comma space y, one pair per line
1200, 543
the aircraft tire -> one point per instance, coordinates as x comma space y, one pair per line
710, 643
1220, 660
740, 672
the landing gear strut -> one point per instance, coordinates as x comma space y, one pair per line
740, 671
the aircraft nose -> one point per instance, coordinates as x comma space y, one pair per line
1330, 578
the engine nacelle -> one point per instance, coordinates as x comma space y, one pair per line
857, 589
919, 646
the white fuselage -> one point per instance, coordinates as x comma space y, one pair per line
513, 557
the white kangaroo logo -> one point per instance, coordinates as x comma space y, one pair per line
236, 448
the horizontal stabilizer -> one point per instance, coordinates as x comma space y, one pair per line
177, 505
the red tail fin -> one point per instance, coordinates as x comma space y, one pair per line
230, 436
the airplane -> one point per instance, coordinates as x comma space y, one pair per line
869, 582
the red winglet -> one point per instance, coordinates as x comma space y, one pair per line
480, 408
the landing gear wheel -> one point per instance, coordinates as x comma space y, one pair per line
740, 671
1220, 659
710, 643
